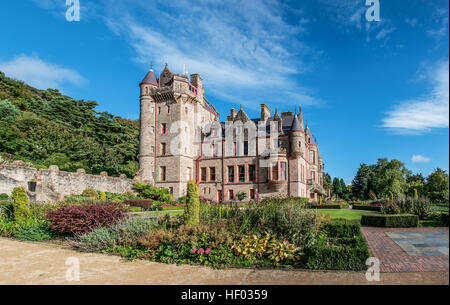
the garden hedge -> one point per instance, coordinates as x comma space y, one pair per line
366, 207
444, 218
349, 250
325, 206
391, 221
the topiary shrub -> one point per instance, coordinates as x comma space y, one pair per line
103, 196
21, 204
90, 193
192, 208
4, 197
84, 218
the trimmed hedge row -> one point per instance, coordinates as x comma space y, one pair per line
366, 207
391, 221
324, 206
349, 250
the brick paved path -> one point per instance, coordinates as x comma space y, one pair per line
394, 259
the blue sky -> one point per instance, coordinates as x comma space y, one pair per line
367, 89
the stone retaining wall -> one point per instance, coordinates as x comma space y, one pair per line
52, 184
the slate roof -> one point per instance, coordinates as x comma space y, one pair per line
150, 78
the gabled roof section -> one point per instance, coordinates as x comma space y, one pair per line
241, 116
166, 77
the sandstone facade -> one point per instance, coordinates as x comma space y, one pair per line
182, 139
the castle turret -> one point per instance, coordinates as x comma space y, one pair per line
277, 118
297, 138
147, 125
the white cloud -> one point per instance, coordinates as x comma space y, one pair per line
38, 73
423, 113
420, 159
383, 33
243, 49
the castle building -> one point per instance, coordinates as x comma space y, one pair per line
182, 139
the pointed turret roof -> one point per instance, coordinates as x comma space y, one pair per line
150, 78
166, 76
296, 124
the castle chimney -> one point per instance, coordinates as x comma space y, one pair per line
197, 82
265, 112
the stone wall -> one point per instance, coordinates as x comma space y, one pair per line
52, 184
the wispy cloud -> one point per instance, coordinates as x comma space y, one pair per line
241, 48
420, 159
40, 74
440, 29
421, 114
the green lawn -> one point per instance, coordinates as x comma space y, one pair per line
158, 213
344, 213
439, 208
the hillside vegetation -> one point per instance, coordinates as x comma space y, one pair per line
44, 127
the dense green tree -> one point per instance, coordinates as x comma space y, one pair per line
337, 187
45, 127
390, 178
363, 181
327, 184
343, 193
437, 186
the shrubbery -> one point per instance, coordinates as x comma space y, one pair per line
147, 191
192, 208
391, 221
84, 218
341, 246
21, 204
366, 207
127, 232
408, 205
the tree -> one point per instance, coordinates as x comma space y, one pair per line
241, 196
437, 186
363, 181
343, 194
337, 187
327, 184
192, 208
390, 178
8, 112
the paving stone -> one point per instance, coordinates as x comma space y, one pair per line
409, 249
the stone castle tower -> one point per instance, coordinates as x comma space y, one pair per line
181, 139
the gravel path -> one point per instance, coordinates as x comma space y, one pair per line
37, 263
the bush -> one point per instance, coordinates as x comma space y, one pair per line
341, 254
284, 218
21, 204
192, 209
147, 191
324, 206
4, 197
341, 228
341, 246
142, 203
84, 218
366, 207
390, 221
409, 205
90, 193
35, 232
126, 233
103, 196
444, 218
